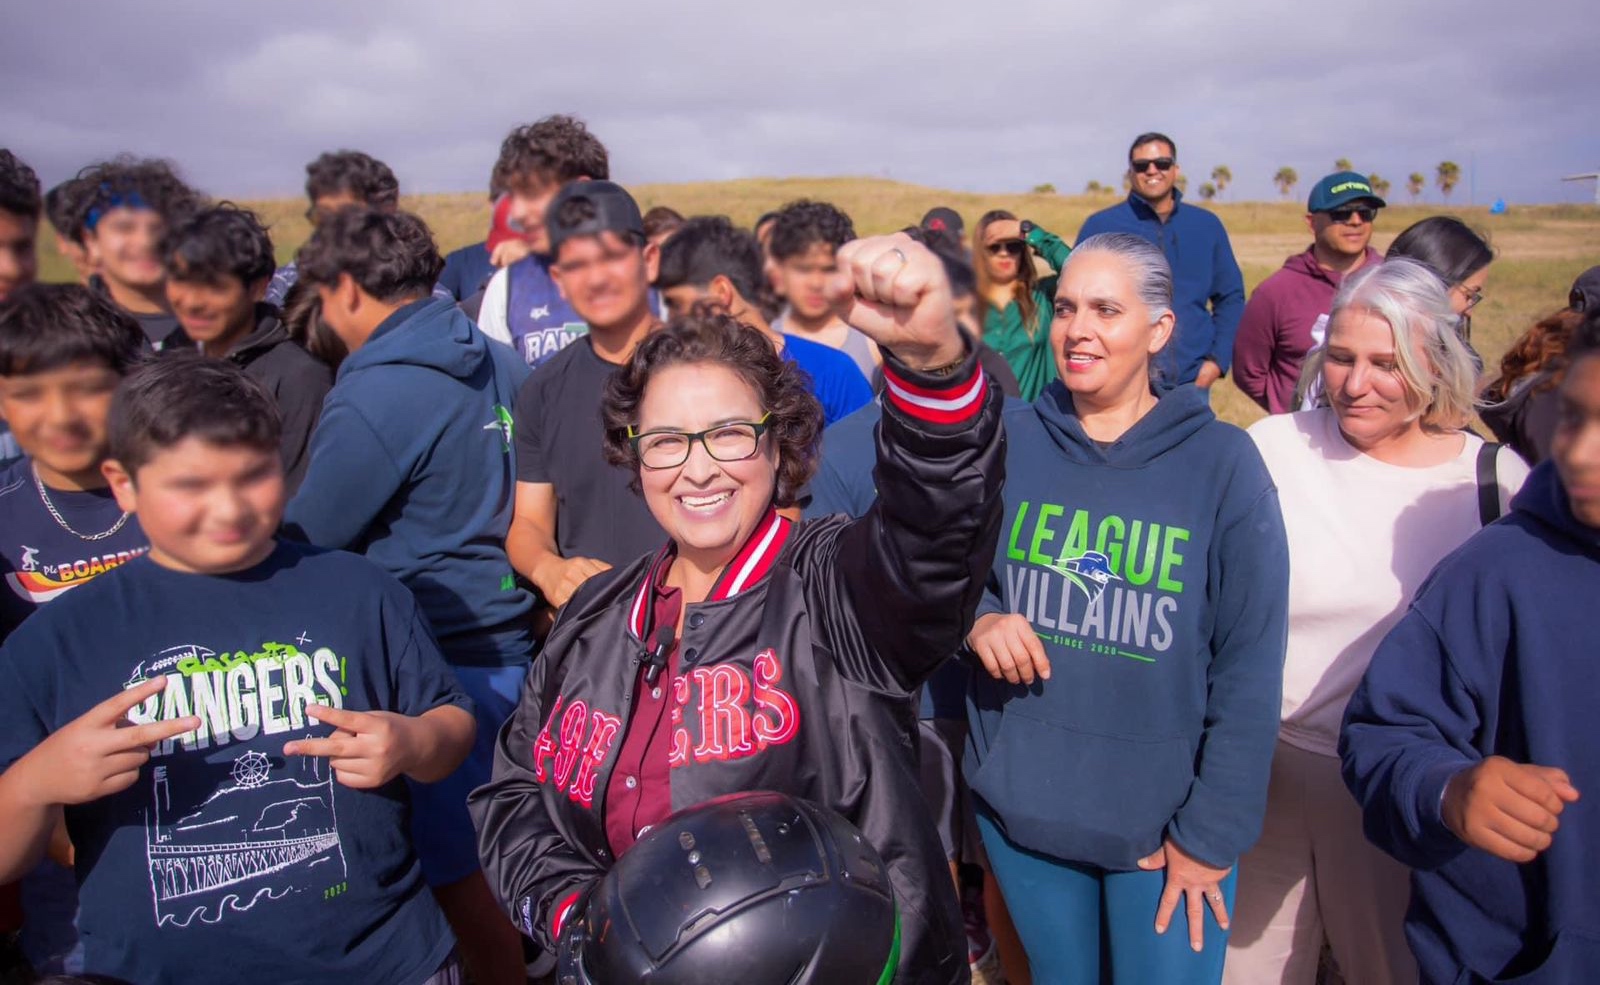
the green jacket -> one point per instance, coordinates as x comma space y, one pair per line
1029, 353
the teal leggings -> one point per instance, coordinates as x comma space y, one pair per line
1083, 925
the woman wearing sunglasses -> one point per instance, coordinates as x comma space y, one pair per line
752, 652
1016, 313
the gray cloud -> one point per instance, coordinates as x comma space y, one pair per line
969, 95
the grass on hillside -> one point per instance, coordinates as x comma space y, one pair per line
1541, 248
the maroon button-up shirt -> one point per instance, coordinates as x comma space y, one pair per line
639, 793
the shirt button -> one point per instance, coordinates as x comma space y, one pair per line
697, 620
690, 654
655, 693
630, 782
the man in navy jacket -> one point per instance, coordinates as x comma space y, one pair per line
1207, 287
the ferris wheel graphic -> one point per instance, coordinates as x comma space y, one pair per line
251, 770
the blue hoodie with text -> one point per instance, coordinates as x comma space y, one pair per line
411, 465
1496, 657
1155, 571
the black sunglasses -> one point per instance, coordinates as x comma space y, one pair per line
1366, 213
1141, 165
1012, 246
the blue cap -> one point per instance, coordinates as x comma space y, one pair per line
1340, 189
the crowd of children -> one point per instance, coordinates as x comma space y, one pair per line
334, 548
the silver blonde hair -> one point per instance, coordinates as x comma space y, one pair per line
1415, 303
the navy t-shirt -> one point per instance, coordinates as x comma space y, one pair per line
39, 557
226, 859
836, 381
466, 271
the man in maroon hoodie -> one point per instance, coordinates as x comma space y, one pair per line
1275, 332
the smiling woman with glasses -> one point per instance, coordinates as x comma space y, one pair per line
1016, 301
752, 652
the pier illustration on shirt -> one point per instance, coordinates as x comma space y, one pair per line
266, 829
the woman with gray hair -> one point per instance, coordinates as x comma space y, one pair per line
1377, 483
1131, 638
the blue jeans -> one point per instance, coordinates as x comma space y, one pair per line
1083, 925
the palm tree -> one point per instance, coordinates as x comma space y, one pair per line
1448, 175
1093, 187
1415, 184
1285, 180
1208, 191
1379, 184
1343, 164
1220, 176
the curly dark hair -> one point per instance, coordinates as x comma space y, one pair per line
708, 336
1541, 347
804, 223
19, 187
146, 183
48, 326
554, 150
390, 255
185, 394
662, 219
61, 209
353, 173
219, 242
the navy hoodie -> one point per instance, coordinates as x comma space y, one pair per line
1496, 657
1155, 571
411, 465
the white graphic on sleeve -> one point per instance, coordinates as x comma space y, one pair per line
30, 558
224, 831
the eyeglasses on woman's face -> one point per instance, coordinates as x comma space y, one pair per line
733, 441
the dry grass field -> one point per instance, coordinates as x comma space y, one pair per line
1541, 248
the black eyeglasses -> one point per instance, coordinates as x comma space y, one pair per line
1365, 213
1141, 165
1472, 294
731, 442
1012, 246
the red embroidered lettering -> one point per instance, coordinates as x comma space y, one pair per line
544, 747
602, 733
724, 722
680, 735
779, 719
572, 726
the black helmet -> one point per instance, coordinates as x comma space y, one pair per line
749, 888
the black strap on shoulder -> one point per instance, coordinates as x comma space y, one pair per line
1488, 484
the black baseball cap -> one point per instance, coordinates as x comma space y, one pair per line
612, 210
943, 219
1585, 294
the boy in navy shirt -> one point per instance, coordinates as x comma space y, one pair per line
411, 465
708, 259
63, 350
225, 721
334, 181
218, 265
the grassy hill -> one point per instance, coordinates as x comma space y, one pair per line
1541, 248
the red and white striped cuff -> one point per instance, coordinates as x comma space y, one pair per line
953, 402
563, 909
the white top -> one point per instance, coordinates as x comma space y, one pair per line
492, 315
1363, 535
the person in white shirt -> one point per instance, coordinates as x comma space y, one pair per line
1377, 484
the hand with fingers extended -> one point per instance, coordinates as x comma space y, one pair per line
367, 748
1510, 810
560, 577
97, 754
1197, 884
1009, 648
510, 251
894, 290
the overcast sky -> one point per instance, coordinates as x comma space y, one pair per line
975, 95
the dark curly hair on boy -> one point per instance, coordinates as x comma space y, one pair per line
19, 187
126, 181
804, 223
218, 242
554, 150
350, 172
390, 255
709, 336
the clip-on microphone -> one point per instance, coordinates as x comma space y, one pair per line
656, 659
